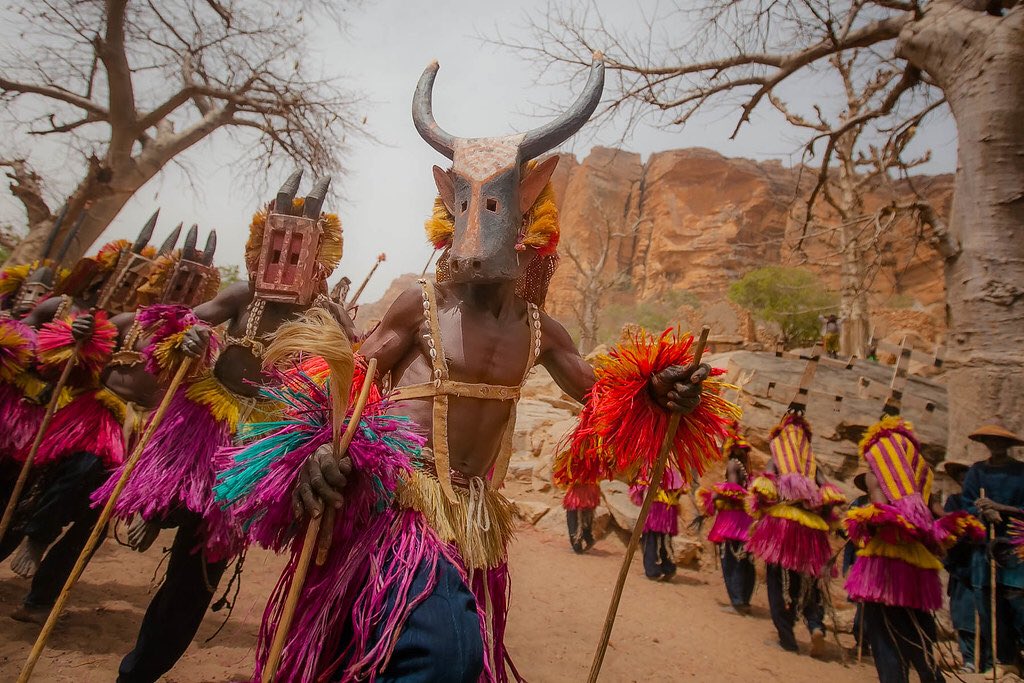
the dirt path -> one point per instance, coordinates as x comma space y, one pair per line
664, 631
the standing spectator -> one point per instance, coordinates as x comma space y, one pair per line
1002, 479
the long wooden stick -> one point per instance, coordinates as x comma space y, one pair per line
652, 492
26, 467
992, 591
351, 303
101, 523
310, 540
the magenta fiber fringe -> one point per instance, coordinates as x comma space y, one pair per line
491, 588
798, 488
177, 470
730, 525
893, 582
663, 519
582, 497
87, 425
790, 545
20, 420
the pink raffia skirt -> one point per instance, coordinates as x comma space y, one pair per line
730, 525
20, 420
893, 582
86, 424
790, 545
177, 470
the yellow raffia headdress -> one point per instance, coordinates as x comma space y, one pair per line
331, 247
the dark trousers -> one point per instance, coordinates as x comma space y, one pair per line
901, 638
961, 611
1009, 623
581, 533
783, 604
177, 609
64, 502
441, 639
738, 571
657, 555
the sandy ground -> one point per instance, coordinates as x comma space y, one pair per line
675, 631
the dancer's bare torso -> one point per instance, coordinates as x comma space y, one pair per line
239, 367
486, 336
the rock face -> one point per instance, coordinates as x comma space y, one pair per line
693, 220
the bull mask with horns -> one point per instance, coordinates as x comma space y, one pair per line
489, 188
288, 268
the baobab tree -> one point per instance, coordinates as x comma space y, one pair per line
971, 51
129, 85
870, 158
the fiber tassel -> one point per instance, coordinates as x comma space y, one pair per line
623, 417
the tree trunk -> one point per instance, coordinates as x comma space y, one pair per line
589, 323
102, 193
978, 61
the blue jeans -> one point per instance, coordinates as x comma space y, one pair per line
441, 639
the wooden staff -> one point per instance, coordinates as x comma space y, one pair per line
992, 591
355, 297
26, 467
634, 539
101, 523
341, 445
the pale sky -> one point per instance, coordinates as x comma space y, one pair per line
480, 90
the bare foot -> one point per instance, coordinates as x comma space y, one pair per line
26, 561
141, 534
30, 614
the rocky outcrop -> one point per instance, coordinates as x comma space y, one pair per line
693, 220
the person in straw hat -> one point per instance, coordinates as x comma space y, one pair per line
1001, 477
958, 564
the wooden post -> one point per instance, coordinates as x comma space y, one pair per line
652, 490
26, 467
312, 534
101, 523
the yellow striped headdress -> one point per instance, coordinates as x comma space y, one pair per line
790, 444
894, 455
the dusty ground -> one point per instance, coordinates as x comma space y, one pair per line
664, 631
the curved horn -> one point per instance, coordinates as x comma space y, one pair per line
283, 203
54, 231
211, 248
423, 114
171, 241
188, 249
550, 135
315, 200
145, 234
70, 237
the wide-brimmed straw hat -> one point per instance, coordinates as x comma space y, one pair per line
993, 431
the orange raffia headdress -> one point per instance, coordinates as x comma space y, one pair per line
893, 453
790, 444
331, 247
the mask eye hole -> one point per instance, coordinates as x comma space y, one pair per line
465, 205
492, 205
